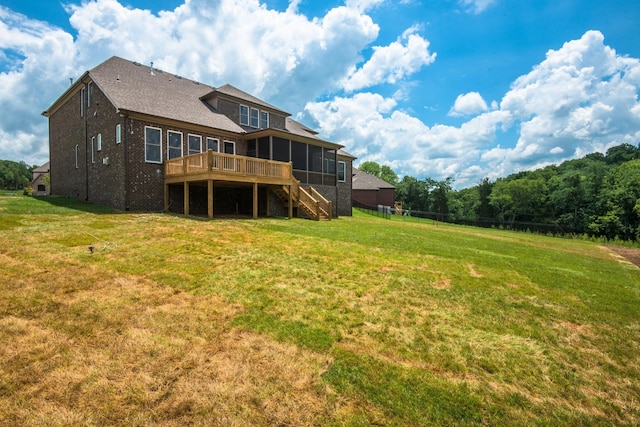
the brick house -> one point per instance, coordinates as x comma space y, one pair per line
370, 191
133, 137
40, 180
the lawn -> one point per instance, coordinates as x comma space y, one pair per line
111, 318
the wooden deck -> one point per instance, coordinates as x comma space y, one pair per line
211, 166
226, 167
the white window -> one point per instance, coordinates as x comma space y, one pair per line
89, 94
342, 171
99, 142
93, 149
244, 115
118, 133
174, 144
229, 147
82, 101
77, 152
213, 144
152, 145
264, 120
253, 120
195, 144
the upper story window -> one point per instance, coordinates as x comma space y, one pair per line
174, 144
244, 115
93, 149
195, 144
83, 93
152, 145
254, 118
89, 94
118, 133
264, 120
99, 142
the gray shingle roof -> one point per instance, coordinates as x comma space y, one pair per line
366, 181
130, 86
240, 95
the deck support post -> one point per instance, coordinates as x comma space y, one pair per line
290, 202
255, 200
210, 199
166, 198
186, 198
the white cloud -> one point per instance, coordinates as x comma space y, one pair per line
389, 64
468, 104
581, 98
476, 6
34, 54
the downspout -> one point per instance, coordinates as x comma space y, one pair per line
125, 141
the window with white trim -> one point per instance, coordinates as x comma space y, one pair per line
244, 115
152, 145
99, 142
229, 147
118, 133
89, 94
342, 171
77, 155
174, 144
213, 144
93, 149
254, 117
82, 102
195, 144
264, 120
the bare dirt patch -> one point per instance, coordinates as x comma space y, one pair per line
631, 254
473, 272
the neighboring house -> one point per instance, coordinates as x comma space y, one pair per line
40, 180
137, 138
371, 191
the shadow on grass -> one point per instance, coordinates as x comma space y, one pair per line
58, 204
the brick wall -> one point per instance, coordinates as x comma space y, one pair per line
66, 130
345, 188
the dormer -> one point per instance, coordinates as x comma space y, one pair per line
249, 112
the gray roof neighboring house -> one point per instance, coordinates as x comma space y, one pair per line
366, 181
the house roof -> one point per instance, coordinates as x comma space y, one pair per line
365, 181
240, 95
131, 86
42, 169
139, 88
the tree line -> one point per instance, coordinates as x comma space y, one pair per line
14, 175
597, 195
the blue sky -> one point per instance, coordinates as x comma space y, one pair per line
433, 88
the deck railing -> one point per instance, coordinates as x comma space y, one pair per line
226, 164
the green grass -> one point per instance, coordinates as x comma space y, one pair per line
411, 322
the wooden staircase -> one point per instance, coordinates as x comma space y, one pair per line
308, 199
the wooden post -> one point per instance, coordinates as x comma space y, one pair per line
166, 197
186, 198
210, 196
268, 202
255, 200
290, 202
